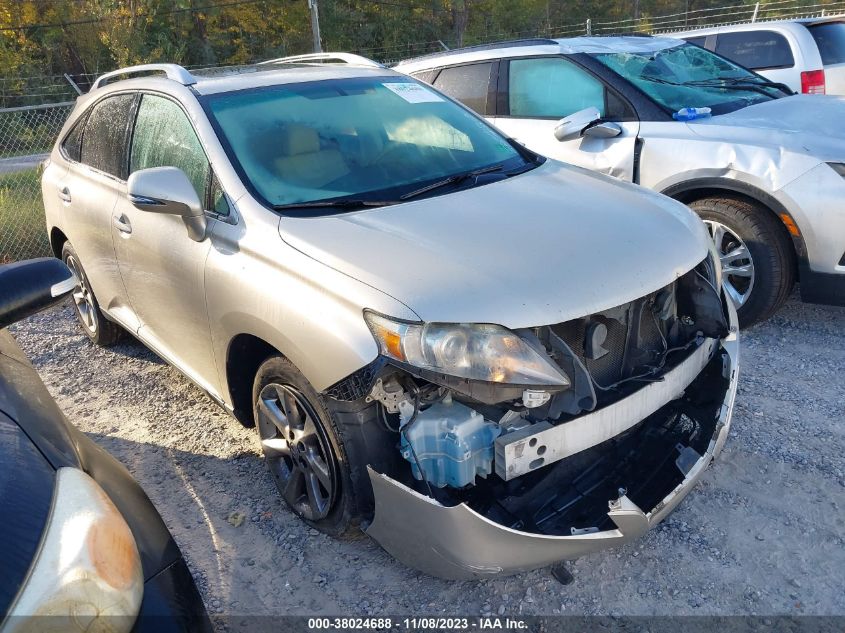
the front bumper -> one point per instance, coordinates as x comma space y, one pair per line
815, 202
459, 543
172, 604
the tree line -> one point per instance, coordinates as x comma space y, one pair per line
86, 37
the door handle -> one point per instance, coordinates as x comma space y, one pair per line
64, 194
121, 223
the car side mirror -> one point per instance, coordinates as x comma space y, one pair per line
167, 190
606, 129
33, 285
572, 126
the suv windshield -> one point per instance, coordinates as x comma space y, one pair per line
357, 141
689, 76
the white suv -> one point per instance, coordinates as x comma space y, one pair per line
765, 169
807, 55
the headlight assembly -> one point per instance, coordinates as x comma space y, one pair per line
484, 352
839, 168
87, 574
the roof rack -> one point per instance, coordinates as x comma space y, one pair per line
171, 71
325, 58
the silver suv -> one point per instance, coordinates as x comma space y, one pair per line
487, 360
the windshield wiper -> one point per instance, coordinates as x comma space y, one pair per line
339, 203
451, 180
742, 82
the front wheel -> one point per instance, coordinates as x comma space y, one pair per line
302, 448
758, 263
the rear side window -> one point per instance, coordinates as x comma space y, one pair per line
104, 138
164, 137
72, 144
830, 38
756, 49
468, 84
551, 87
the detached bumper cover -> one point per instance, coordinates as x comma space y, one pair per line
458, 543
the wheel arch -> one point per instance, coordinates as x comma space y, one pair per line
57, 241
692, 190
244, 356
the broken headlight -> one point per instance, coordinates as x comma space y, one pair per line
485, 352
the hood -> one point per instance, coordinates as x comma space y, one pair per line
552, 244
807, 124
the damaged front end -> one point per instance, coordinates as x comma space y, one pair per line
559, 441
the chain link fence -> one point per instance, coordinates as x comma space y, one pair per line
27, 135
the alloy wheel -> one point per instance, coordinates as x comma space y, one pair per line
83, 297
297, 450
737, 264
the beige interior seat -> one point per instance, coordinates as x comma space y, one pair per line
303, 163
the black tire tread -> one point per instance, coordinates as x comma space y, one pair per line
772, 251
345, 519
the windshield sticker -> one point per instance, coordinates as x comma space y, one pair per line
413, 93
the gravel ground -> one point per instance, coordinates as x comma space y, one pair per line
764, 533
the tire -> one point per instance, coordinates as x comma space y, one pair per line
771, 255
309, 454
96, 326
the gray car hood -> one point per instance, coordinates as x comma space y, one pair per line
553, 244
809, 124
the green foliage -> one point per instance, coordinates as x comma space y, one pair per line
87, 37
22, 226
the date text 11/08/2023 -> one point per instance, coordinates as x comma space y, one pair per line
490, 623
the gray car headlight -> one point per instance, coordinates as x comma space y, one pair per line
839, 168
475, 351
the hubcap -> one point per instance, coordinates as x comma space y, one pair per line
737, 265
83, 298
297, 451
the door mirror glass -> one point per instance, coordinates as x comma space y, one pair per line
572, 126
607, 129
167, 190
30, 286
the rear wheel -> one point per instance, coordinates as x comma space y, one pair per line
758, 263
302, 448
98, 328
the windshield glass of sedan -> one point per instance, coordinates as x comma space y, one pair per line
689, 76
364, 138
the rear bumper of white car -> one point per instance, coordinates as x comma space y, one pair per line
457, 542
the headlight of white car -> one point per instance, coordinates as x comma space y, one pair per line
485, 352
87, 573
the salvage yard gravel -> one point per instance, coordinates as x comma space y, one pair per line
763, 534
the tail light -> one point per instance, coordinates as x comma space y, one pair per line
812, 82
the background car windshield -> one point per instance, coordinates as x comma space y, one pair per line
689, 76
360, 138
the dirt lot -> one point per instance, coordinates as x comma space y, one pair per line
763, 534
